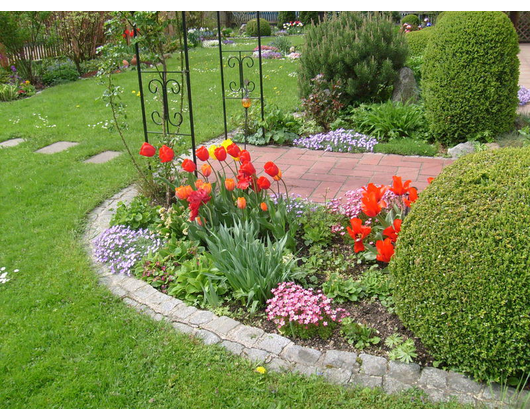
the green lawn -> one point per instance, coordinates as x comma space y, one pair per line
66, 341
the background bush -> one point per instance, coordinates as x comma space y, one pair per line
284, 17
54, 72
460, 270
252, 27
308, 17
364, 51
413, 20
470, 75
417, 40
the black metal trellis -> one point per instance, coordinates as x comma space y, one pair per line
166, 84
243, 88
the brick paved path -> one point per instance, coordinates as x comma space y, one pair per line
322, 176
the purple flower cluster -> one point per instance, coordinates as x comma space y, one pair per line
122, 247
294, 304
341, 140
296, 204
524, 95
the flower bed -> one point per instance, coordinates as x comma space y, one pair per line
236, 242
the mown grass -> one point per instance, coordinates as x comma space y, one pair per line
66, 341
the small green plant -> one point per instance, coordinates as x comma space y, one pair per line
282, 43
358, 335
342, 289
376, 285
324, 101
404, 352
317, 224
8, 92
138, 214
55, 72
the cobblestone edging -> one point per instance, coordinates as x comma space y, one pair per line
278, 353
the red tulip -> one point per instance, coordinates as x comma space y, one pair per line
166, 154
233, 150
398, 187
220, 154
271, 169
247, 169
413, 196
244, 156
370, 205
378, 191
385, 250
202, 153
430, 179
147, 150
264, 183
358, 232
393, 230
188, 165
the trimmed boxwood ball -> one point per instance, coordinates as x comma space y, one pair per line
418, 40
470, 75
411, 20
461, 268
264, 26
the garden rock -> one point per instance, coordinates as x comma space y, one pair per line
406, 88
461, 149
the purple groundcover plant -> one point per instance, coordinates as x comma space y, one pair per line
341, 140
121, 247
296, 204
524, 95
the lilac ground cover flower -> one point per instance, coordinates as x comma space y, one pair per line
121, 247
341, 140
523, 95
296, 205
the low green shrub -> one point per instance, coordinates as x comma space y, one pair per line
283, 43
460, 269
54, 72
407, 147
284, 17
411, 19
138, 214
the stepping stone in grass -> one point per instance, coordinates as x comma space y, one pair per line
56, 147
103, 157
11, 143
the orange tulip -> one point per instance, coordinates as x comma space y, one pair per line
183, 192
207, 187
378, 191
430, 179
206, 170
230, 184
264, 206
241, 203
279, 176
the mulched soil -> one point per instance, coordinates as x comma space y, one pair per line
369, 312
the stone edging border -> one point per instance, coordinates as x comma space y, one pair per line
278, 353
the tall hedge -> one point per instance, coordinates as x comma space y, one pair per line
309, 17
461, 265
284, 17
418, 40
470, 75
365, 52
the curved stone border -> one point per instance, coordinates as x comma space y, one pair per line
278, 353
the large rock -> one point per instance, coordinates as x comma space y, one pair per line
406, 88
462, 149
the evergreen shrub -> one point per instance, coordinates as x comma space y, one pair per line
411, 19
460, 271
364, 52
284, 17
309, 17
418, 40
252, 27
470, 75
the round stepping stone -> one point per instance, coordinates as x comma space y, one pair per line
57, 147
103, 157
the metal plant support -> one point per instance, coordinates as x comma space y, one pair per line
242, 88
165, 83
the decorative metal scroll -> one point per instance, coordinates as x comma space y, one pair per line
165, 83
242, 60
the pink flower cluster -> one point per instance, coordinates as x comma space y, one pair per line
294, 304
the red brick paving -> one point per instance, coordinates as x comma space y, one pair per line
322, 175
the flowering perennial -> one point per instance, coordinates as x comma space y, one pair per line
523, 95
294, 306
122, 247
340, 140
